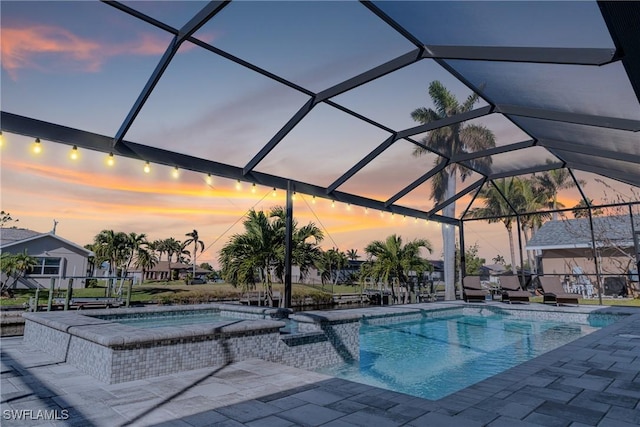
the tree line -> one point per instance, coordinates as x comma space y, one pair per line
122, 251
257, 255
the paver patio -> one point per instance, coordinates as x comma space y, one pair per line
594, 380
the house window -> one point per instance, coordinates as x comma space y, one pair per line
47, 266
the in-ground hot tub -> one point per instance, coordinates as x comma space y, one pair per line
107, 345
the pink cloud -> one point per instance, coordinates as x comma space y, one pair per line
33, 47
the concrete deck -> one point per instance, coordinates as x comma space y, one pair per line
594, 380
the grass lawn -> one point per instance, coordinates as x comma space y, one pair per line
171, 292
177, 292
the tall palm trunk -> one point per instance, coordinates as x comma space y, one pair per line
512, 250
393, 291
449, 242
525, 232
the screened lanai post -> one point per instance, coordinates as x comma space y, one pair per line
518, 225
634, 233
593, 236
463, 258
595, 256
288, 245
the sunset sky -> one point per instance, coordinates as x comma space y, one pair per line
83, 64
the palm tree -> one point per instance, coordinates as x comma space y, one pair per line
305, 249
197, 243
15, 266
450, 141
389, 261
260, 250
352, 254
581, 210
250, 253
330, 264
171, 246
145, 260
551, 182
157, 247
497, 209
111, 246
131, 246
135, 242
531, 200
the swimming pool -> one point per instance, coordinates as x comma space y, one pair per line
433, 358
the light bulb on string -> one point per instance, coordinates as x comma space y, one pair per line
37, 147
238, 185
253, 188
74, 153
147, 167
209, 179
110, 160
175, 173
274, 192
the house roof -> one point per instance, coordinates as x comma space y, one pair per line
576, 233
10, 235
15, 236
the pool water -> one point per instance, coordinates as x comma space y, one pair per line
175, 320
193, 318
436, 357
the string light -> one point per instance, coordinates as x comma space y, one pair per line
37, 147
1, 139
349, 206
176, 172
333, 204
274, 192
253, 188
209, 179
110, 159
238, 185
147, 167
313, 200
366, 211
74, 153
293, 196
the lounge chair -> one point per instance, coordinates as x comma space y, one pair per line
472, 290
511, 290
553, 291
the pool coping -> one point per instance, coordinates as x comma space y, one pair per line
89, 325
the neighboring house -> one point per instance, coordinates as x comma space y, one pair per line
160, 271
57, 257
566, 248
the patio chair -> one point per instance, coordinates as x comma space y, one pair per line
553, 291
472, 290
512, 291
